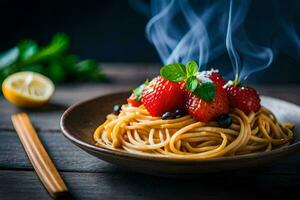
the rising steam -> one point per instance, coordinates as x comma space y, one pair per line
203, 30
254, 57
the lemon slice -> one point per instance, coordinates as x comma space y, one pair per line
27, 89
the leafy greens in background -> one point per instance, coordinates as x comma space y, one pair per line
52, 60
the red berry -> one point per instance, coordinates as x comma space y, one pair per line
183, 88
217, 78
131, 100
212, 75
162, 96
243, 98
206, 111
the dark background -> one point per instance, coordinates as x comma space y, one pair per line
105, 30
113, 31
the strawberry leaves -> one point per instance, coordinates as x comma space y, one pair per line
179, 72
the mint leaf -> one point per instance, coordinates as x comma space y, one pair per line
191, 83
206, 91
139, 90
173, 72
191, 68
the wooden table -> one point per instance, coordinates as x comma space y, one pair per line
90, 178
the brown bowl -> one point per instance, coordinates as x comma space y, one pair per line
80, 120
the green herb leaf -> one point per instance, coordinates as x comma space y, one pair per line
191, 83
69, 60
88, 70
35, 68
59, 44
9, 57
205, 91
191, 68
27, 48
55, 72
146, 82
174, 72
52, 60
85, 68
139, 90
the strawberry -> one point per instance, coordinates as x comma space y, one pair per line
214, 76
132, 101
183, 88
135, 97
243, 98
217, 78
204, 110
162, 95
205, 97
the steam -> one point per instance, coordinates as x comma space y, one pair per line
203, 31
287, 40
255, 58
180, 34
294, 37
233, 55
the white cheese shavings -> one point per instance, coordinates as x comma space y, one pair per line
212, 70
204, 76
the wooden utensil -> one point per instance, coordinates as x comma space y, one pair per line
38, 156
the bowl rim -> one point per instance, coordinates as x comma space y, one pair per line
100, 149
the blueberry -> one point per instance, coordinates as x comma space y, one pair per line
117, 109
168, 115
224, 121
179, 113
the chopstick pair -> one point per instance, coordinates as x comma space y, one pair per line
39, 158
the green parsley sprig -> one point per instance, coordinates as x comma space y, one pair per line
52, 60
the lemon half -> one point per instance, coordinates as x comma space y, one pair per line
27, 89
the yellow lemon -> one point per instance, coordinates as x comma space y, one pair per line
27, 89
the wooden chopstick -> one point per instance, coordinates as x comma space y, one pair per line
38, 156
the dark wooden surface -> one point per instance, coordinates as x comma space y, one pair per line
90, 178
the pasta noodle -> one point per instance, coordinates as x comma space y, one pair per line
135, 131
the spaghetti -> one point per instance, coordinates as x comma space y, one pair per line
135, 131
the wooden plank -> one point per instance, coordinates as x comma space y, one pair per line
65, 155
280, 179
25, 185
47, 118
68, 157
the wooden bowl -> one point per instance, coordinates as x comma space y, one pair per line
80, 120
